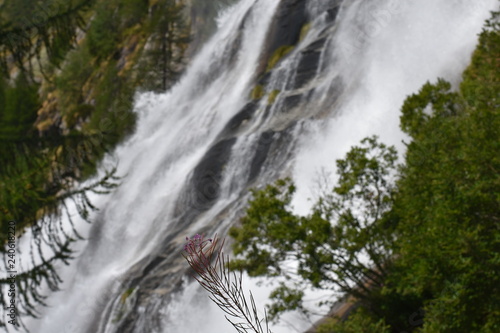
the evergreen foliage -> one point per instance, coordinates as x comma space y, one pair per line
360, 321
164, 58
68, 74
19, 102
30, 28
449, 197
35, 204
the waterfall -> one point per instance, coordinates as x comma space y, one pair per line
199, 148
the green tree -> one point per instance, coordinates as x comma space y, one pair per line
163, 61
104, 34
343, 245
359, 322
35, 204
19, 102
449, 197
29, 28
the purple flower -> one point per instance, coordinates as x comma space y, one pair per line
206, 258
199, 252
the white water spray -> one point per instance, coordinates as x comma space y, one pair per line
386, 52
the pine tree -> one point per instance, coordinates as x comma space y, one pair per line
164, 57
28, 29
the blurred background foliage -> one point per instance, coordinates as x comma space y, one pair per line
69, 72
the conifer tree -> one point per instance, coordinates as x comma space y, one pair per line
30, 28
164, 56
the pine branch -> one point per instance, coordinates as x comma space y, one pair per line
53, 30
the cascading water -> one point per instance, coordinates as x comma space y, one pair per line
201, 146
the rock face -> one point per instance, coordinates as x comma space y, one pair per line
207, 175
285, 29
290, 16
308, 64
261, 152
245, 114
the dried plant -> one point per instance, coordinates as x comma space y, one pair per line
205, 256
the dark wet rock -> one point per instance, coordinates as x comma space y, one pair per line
153, 264
287, 24
207, 175
308, 64
317, 45
204, 185
291, 102
261, 151
331, 14
152, 278
282, 147
285, 29
245, 114
306, 69
264, 79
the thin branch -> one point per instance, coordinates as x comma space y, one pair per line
206, 258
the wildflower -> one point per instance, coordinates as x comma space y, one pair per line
198, 255
226, 289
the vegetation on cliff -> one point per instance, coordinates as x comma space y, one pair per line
69, 71
416, 245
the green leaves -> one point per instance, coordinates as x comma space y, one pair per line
285, 299
19, 102
327, 244
359, 322
268, 231
29, 28
366, 175
104, 33
431, 100
448, 196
